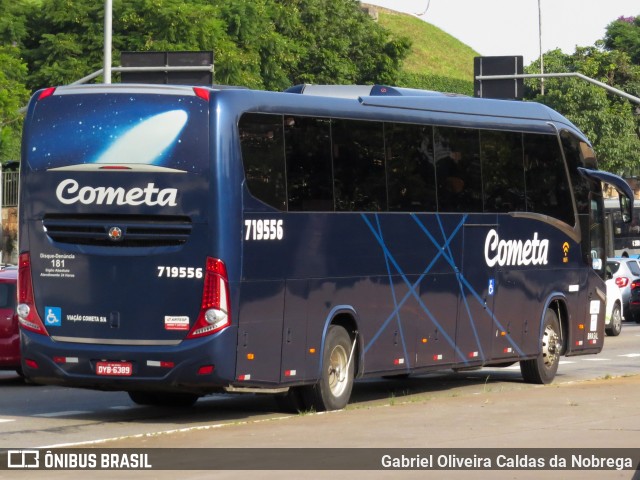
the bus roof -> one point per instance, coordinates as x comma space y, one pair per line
381, 96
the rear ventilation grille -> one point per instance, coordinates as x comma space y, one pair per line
126, 230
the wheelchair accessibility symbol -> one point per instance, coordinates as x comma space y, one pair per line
492, 286
53, 317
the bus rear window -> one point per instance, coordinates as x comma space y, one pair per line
119, 129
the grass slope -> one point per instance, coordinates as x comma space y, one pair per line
433, 52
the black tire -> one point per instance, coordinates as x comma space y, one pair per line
616, 322
543, 368
164, 399
333, 390
293, 401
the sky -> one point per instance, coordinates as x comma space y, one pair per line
510, 27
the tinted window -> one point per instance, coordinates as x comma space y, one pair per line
321, 164
410, 167
358, 166
263, 156
7, 295
458, 172
546, 182
308, 157
613, 266
579, 154
634, 268
502, 171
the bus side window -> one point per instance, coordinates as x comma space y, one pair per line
502, 171
262, 147
309, 169
458, 172
546, 183
359, 165
410, 168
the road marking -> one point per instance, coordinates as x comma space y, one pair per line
61, 414
596, 359
3, 420
630, 355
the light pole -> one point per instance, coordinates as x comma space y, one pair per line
425, 10
106, 73
540, 44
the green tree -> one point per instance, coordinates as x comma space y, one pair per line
608, 120
269, 44
623, 34
344, 45
13, 75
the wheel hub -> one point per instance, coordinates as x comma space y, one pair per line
551, 346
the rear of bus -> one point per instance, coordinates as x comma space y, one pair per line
121, 282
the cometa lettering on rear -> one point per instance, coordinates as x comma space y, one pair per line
70, 192
515, 252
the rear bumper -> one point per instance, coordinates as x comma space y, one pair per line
154, 368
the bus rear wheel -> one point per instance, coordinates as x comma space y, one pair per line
543, 368
333, 390
164, 399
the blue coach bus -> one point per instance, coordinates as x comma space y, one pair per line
179, 241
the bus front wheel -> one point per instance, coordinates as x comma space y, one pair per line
543, 368
333, 390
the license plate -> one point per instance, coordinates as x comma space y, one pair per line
117, 369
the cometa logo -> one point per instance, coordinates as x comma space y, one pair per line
515, 252
70, 192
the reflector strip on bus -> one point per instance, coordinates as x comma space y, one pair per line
158, 363
507, 350
66, 359
574, 288
579, 342
438, 356
244, 377
398, 361
290, 373
473, 354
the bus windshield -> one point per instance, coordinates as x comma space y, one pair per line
118, 129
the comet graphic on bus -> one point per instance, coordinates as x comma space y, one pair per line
159, 131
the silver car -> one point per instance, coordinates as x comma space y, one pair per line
624, 271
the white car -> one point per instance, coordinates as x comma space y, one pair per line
613, 313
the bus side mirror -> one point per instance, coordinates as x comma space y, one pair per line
625, 208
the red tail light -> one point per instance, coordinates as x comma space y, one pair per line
622, 282
215, 312
47, 92
27, 315
635, 284
203, 93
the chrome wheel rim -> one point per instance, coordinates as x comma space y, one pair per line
337, 370
550, 347
616, 320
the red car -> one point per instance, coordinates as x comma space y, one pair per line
9, 335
